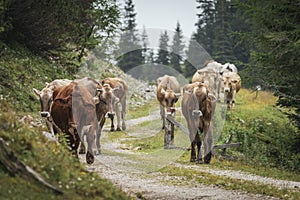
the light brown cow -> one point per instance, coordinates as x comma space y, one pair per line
198, 106
210, 75
74, 112
120, 91
45, 98
168, 92
103, 100
232, 84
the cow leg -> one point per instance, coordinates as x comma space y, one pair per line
50, 127
98, 135
74, 141
198, 143
117, 110
111, 117
123, 104
193, 152
232, 105
82, 146
208, 146
90, 138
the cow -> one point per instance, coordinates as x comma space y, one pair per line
104, 99
45, 98
74, 112
210, 75
232, 84
228, 67
168, 92
120, 91
198, 105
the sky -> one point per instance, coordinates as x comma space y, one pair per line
164, 14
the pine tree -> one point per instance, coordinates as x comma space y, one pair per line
177, 49
163, 56
196, 57
129, 54
145, 43
275, 49
205, 26
222, 43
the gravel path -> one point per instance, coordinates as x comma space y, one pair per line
122, 171
153, 185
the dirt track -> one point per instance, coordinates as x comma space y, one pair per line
140, 184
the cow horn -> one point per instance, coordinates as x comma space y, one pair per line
177, 95
99, 90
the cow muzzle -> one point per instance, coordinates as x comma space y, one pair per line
197, 113
226, 89
171, 110
45, 114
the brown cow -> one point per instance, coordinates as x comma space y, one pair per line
232, 84
103, 100
120, 91
210, 75
168, 92
45, 98
73, 111
198, 106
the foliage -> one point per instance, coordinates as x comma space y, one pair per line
59, 30
129, 52
177, 49
266, 136
21, 71
275, 49
216, 31
163, 56
52, 161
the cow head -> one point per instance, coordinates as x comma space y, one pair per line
229, 84
104, 96
169, 99
45, 98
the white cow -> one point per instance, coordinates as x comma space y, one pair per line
45, 98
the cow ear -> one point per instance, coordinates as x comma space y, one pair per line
163, 91
36, 93
100, 90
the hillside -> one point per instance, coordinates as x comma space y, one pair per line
268, 141
21, 129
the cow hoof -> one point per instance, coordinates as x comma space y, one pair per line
193, 160
98, 152
112, 129
118, 129
89, 158
123, 127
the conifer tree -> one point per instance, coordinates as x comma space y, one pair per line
163, 56
129, 54
177, 49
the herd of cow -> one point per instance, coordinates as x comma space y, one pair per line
80, 107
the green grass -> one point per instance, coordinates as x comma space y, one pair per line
20, 72
267, 137
192, 176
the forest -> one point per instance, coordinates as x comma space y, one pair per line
44, 40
